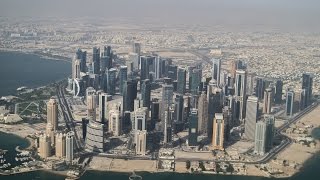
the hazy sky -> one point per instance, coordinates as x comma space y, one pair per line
295, 14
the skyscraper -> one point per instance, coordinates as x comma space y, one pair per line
237, 65
141, 142
130, 95
270, 120
289, 102
193, 128
147, 65
155, 112
178, 108
216, 68
250, 82
202, 113
135, 59
60, 145
103, 98
260, 138
302, 99
268, 98
44, 146
50, 133
307, 83
181, 87
260, 87
52, 113
158, 67
251, 117
218, 132
90, 91
106, 59
82, 55
264, 135
95, 137
96, 60
103, 63
138, 103
146, 93
136, 48
111, 81
140, 119
114, 122
215, 105
194, 80
91, 106
167, 98
278, 92
168, 131
172, 72
123, 73
227, 117
69, 146
107, 51
240, 92
76, 68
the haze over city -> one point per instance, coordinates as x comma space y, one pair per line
159, 89
283, 15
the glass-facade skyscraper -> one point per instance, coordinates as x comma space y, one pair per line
181, 86
307, 83
123, 75
289, 103
193, 128
146, 93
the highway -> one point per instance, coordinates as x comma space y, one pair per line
203, 57
297, 117
67, 115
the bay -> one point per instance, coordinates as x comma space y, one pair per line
21, 69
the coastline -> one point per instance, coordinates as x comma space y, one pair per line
139, 165
46, 58
20, 136
33, 52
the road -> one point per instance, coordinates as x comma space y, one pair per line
68, 115
297, 117
203, 57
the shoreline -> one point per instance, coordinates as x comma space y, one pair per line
140, 165
121, 166
60, 173
36, 87
26, 138
15, 93
32, 52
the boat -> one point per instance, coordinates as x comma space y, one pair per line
21, 88
3, 160
71, 178
134, 176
